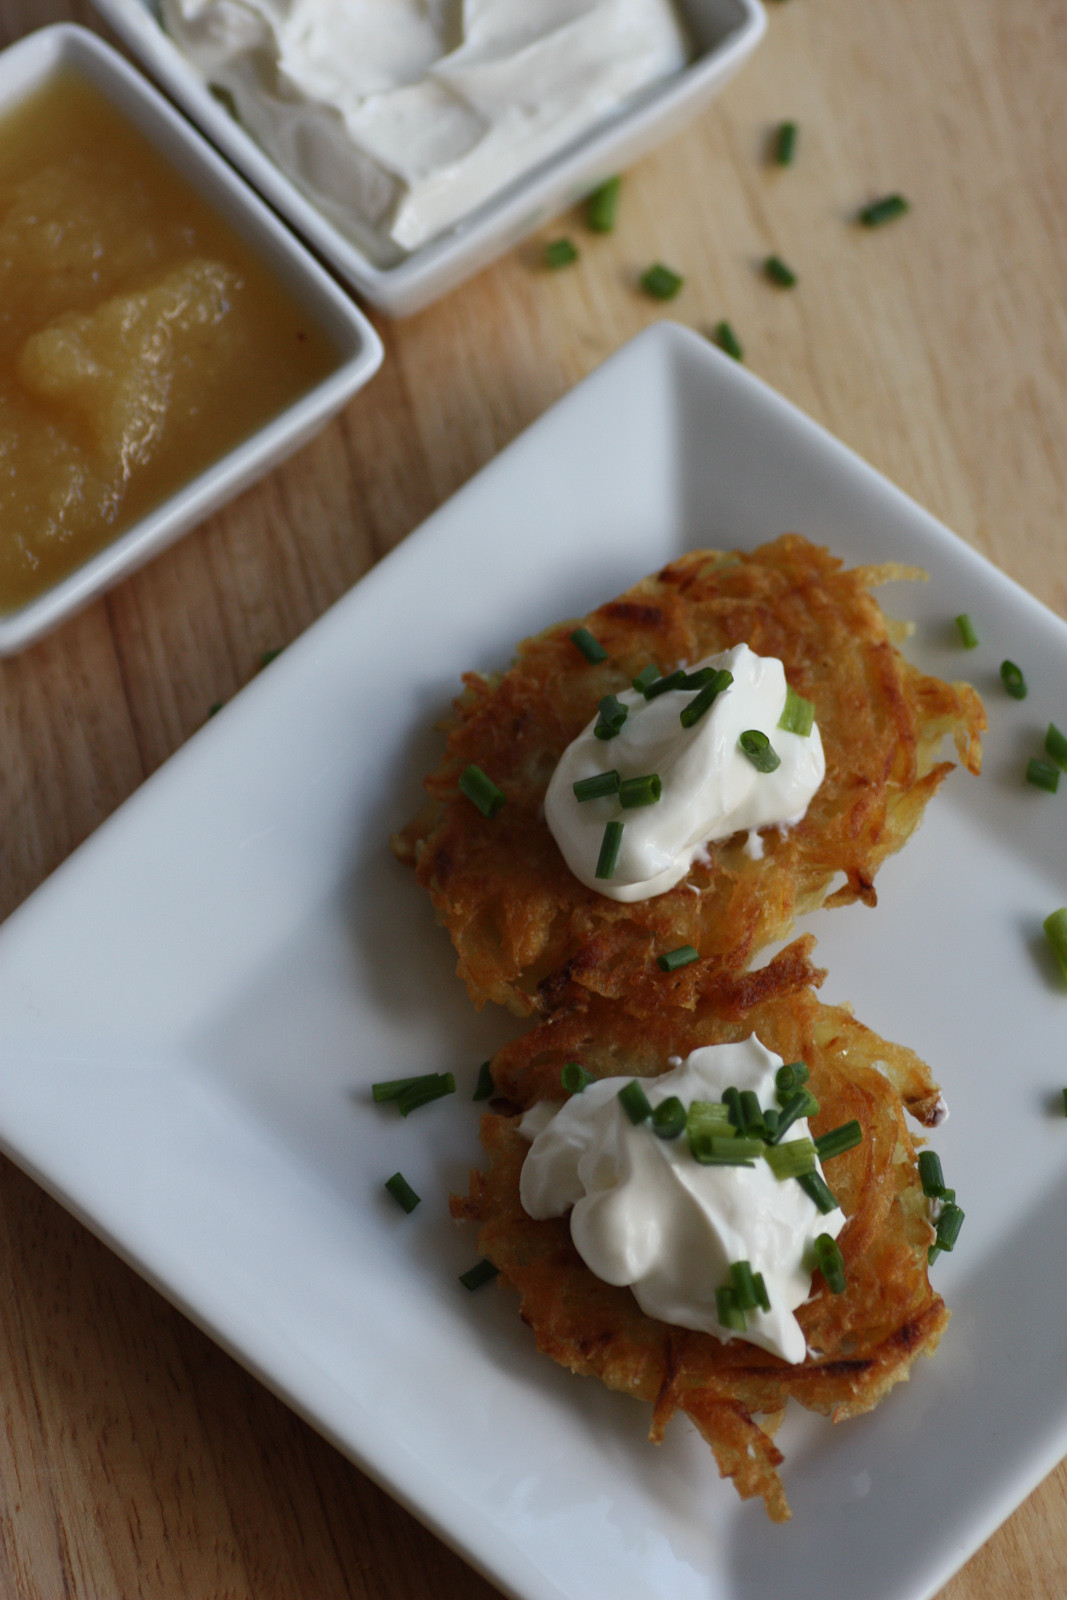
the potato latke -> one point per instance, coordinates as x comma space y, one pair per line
860, 1342
531, 936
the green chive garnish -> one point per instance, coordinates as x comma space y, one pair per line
727, 341
731, 1099
602, 205
785, 144
560, 253
421, 1094
761, 1291
612, 716
931, 1176
697, 680
744, 1285
692, 713
838, 1140
589, 645
798, 715
270, 655
646, 676
792, 1075
728, 1310
1055, 928
1065, 1102
671, 960
707, 1120
660, 282
779, 273
1056, 745
642, 791
402, 1192
790, 1160
600, 784
751, 1112
480, 790
673, 680
485, 1085
816, 1187
884, 210
770, 1121
949, 1224
474, 1277
715, 1151
635, 1102
610, 846
967, 633
831, 1263
214, 709
1012, 679
393, 1088
759, 750
574, 1077
1042, 775
668, 1119
800, 1103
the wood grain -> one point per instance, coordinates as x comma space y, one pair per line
136, 1459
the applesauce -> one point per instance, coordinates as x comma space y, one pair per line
140, 339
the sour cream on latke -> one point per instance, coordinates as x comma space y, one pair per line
710, 788
645, 1214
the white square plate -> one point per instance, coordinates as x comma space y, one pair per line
195, 1004
724, 33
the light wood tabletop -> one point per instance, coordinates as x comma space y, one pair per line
136, 1458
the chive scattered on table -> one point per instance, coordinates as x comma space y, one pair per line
778, 272
785, 143
884, 210
660, 282
602, 205
560, 253
724, 336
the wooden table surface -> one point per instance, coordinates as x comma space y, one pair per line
136, 1458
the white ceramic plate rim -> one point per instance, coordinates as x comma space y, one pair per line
245, 890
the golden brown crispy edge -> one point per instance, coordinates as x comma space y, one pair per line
529, 935
860, 1342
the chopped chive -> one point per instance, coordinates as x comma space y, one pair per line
758, 748
697, 680
838, 1140
728, 342
816, 1187
600, 784
967, 634
884, 210
785, 144
668, 1119
683, 956
712, 1150
660, 282
708, 1119
560, 253
801, 1103
480, 790
776, 269
692, 713
421, 1094
949, 1224
751, 1112
931, 1176
831, 1263
214, 708
1042, 775
610, 846
1055, 927
731, 1099
932, 1255
770, 1121
672, 680
761, 1291
635, 1102
791, 1076
1012, 679
392, 1088
1065, 1102
270, 655
611, 717
589, 645
744, 1285
574, 1077
602, 205
798, 714
485, 1085
402, 1192
1056, 745
728, 1310
642, 791
646, 676
790, 1160
474, 1277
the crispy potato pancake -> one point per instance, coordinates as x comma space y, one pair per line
529, 935
860, 1342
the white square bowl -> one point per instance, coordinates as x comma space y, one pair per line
25, 67
724, 31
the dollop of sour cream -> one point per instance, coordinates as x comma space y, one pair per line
397, 117
645, 1214
710, 787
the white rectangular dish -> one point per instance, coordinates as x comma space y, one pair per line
26, 66
725, 32
190, 1032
